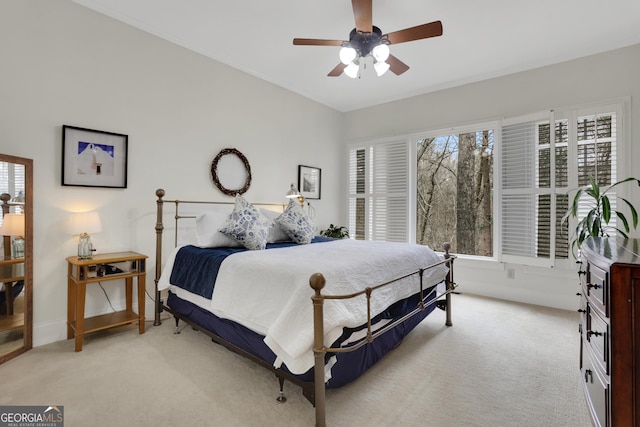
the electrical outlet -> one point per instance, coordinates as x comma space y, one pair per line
511, 273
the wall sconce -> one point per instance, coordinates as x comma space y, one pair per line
293, 193
13, 225
82, 224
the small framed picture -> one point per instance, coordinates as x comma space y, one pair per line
309, 180
94, 158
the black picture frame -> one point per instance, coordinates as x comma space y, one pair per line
94, 158
309, 181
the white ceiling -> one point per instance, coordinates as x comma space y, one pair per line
482, 39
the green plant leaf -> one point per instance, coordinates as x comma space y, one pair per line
576, 203
634, 212
606, 209
622, 233
624, 220
594, 190
596, 227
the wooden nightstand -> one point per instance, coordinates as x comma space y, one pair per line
100, 268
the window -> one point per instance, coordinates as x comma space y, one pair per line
454, 185
454, 190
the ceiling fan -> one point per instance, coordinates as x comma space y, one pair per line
366, 39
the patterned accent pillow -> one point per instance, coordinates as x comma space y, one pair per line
247, 225
296, 223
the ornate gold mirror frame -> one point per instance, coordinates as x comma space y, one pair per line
16, 325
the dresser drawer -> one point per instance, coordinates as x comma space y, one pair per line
597, 288
597, 335
596, 387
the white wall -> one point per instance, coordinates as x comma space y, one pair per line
602, 77
64, 64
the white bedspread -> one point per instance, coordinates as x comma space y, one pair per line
268, 291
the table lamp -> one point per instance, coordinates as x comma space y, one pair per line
293, 193
82, 224
13, 225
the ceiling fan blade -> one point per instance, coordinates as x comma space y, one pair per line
317, 42
363, 12
396, 66
424, 31
337, 71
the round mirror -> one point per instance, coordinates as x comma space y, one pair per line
231, 172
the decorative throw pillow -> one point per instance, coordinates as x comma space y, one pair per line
207, 234
276, 233
296, 223
247, 225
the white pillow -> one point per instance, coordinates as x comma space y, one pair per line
247, 225
207, 234
296, 223
276, 233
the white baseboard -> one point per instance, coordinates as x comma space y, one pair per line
48, 333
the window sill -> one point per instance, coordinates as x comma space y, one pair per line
565, 267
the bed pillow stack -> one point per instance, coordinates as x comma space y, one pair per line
252, 228
247, 226
296, 223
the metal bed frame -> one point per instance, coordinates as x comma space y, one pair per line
313, 391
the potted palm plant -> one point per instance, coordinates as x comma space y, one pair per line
596, 221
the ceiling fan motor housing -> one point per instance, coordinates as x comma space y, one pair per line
363, 42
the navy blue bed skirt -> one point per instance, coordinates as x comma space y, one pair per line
349, 365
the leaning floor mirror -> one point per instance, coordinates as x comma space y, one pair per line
16, 262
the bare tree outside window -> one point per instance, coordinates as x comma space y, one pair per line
454, 192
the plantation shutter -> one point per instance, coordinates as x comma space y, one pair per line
526, 203
357, 193
379, 191
542, 166
596, 135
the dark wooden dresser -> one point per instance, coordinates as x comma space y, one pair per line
610, 330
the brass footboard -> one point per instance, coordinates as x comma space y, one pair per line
317, 282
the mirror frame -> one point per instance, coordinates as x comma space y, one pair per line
28, 256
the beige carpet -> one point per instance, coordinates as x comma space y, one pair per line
501, 364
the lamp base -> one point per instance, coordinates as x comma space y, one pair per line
85, 247
18, 247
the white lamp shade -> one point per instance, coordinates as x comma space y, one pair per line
293, 192
347, 54
84, 222
381, 52
352, 70
12, 225
381, 68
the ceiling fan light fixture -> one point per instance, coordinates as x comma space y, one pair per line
380, 52
347, 54
381, 67
352, 70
